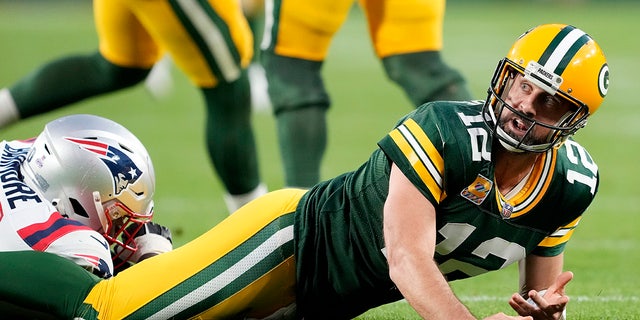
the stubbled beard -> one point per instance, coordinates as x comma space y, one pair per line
529, 137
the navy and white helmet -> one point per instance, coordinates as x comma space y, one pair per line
95, 171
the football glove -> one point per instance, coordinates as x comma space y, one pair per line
152, 239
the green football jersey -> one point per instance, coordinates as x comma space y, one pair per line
444, 148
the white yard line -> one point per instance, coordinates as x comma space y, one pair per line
573, 298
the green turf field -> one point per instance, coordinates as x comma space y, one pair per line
604, 252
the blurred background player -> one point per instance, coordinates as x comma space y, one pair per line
254, 12
210, 41
160, 82
406, 36
84, 184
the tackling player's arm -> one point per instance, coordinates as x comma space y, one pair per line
410, 236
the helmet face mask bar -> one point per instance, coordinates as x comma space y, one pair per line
495, 105
564, 62
117, 229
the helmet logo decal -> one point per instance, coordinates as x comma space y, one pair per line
563, 48
544, 79
603, 80
123, 170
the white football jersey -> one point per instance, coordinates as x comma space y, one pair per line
30, 222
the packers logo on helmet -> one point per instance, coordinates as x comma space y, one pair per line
603, 80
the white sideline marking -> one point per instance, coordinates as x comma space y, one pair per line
573, 298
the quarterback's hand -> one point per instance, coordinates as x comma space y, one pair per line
550, 305
152, 239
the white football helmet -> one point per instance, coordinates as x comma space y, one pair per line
95, 171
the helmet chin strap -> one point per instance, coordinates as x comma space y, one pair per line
100, 210
509, 143
504, 136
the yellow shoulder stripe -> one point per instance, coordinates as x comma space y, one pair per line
561, 235
421, 154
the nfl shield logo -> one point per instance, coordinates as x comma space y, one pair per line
507, 210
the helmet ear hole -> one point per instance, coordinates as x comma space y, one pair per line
125, 147
77, 208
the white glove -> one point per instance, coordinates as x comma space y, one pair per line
152, 239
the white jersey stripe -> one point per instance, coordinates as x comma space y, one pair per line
544, 176
214, 285
213, 38
422, 155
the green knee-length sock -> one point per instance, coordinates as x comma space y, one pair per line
303, 139
230, 138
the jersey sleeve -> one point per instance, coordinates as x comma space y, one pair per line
554, 244
72, 240
580, 179
415, 146
88, 249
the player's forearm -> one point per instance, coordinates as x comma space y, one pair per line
426, 290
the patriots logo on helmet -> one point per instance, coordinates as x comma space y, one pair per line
123, 170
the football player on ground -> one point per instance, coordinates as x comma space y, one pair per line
457, 189
210, 41
83, 184
406, 36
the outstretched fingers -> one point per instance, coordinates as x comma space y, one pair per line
548, 305
561, 282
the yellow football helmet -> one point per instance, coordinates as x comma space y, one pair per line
562, 60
